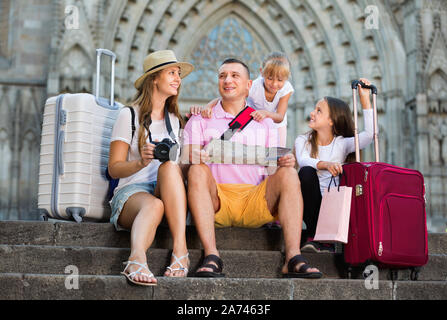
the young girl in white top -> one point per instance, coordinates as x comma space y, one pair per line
321, 153
147, 188
269, 94
271, 91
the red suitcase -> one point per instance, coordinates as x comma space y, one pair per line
388, 218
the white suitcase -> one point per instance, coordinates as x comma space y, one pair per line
74, 153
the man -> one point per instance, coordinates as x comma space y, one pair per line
225, 195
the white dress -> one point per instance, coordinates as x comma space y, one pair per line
256, 98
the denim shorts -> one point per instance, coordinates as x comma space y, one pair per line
123, 194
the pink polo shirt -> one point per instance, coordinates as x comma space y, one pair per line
200, 131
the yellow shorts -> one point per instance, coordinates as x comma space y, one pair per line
242, 205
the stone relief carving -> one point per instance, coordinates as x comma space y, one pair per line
230, 38
435, 135
76, 71
437, 94
443, 132
4, 31
19, 149
383, 144
435, 5
331, 29
409, 134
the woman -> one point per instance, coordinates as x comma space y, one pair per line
147, 188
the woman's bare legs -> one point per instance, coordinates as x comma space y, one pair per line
171, 190
142, 213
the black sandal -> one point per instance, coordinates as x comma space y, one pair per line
217, 270
302, 271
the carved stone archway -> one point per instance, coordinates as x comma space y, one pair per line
329, 43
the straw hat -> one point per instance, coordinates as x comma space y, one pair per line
159, 60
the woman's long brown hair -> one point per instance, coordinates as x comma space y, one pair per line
143, 99
341, 117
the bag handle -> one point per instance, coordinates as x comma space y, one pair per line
99, 53
335, 184
373, 88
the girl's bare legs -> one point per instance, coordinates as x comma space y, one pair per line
142, 213
171, 190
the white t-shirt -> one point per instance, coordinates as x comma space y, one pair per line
336, 151
122, 131
256, 98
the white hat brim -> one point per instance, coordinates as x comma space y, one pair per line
185, 68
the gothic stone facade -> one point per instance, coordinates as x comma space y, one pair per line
48, 47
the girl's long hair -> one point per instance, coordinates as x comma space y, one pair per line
341, 117
143, 99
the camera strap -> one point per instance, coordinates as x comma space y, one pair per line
238, 123
168, 127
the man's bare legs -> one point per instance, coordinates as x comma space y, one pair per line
204, 203
283, 195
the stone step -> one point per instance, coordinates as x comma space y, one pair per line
103, 287
108, 261
437, 243
104, 235
237, 263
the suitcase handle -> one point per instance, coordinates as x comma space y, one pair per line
99, 53
355, 83
373, 88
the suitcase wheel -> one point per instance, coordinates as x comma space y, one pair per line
76, 213
394, 274
354, 272
349, 273
43, 214
414, 274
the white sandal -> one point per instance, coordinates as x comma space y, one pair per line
130, 276
181, 268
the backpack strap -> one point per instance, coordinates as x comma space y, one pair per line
113, 183
238, 123
132, 112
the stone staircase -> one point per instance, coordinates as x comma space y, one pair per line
37, 260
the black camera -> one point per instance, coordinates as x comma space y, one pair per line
165, 150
